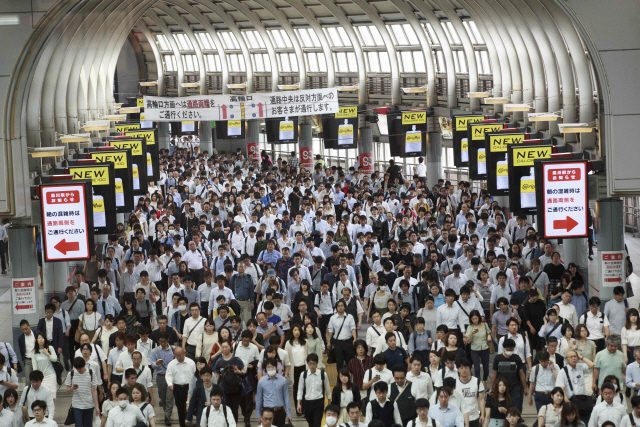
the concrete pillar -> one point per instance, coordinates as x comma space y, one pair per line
206, 137
609, 214
365, 151
306, 146
434, 158
164, 135
23, 266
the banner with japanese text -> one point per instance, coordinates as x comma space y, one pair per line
237, 107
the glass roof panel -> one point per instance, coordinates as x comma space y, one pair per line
453, 33
163, 42
170, 63
377, 38
353, 62
205, 41
184, 43
385, 65
344, 37
411, 35
398, 33
253, 39
373, 61
418, 61
407, 61
293, 60
433, 38
476, 32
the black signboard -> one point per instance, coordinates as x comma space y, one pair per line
124, 174
283, 130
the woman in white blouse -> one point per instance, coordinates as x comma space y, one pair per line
90, 320
138, 397
549, 414
43, 356
568, 342
207, 340
630, 335
101, 337
298, 350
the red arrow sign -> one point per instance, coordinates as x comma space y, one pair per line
64, 246
224, 111
23, 307
565, 224
614, 279
260, 113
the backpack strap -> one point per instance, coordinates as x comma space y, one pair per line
566, 371
143, 407
631, 420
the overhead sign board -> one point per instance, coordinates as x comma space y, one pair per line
23, 296
347, 112
522, 177
65, 224
612, 268
460, 126
563, 200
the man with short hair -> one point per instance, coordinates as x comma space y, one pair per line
38, 408
125, 414
179, 374
447, 415
242, 287
609, 410
160, 358
542, 381
273, 395
510, 365
313, 387
216, 414
609, 361
34, 391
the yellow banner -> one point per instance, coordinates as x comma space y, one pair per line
502, 170
99, 175
234, 123
345, 130
142, 117
477, 132
524, 156
119, 159
465, 146
148, 134
119, 186
140, 103
98, 205
498, 143
528, 186
414, 117
188, 123
286, 126
124, 128
482, 156
461, 123
414, 137
135, 146
346, 113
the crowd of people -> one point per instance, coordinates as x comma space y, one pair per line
235, 279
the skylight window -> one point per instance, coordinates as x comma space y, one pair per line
212, 63
190, 63
261, 62
170, 63
287, 62
205, 41
163, 42
345, 62
183, 41
337, 37
280, 39
253, 39
308, 37
229, 40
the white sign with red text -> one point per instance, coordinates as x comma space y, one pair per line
565, 199
612, 268
64, 222
23, 294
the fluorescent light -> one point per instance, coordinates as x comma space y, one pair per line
77, 137
148, 84
115, 117
496, 100
478, 94
422, 89
237, 85
543, 117
46, 152
118, 105
95, 125
10, 20
289, 87
517, 107
353, 88
129, 110
190, 85
576, 127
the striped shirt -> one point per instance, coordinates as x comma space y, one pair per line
82, 396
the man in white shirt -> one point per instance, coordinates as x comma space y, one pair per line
422, 383
196, 260
571, 377
313, 387
378, 373
567, 310
456, 280
38, 408
610, 409
522, 348
126, 414
217, 414
179, 373
633, 419
193, 328
451, 314
597, 323
35, 392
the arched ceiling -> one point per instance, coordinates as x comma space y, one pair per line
528, 50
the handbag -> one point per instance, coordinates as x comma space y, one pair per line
583, 403
57, 366
71, 419
331, 355
78, 334
492, 347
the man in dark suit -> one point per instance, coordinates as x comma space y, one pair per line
388, 227
52, 328
303, 309
366, 265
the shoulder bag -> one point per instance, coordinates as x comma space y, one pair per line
331, 356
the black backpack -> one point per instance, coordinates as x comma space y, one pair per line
230, 381
224, 412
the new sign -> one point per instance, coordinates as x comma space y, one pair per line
563, 198
65, 224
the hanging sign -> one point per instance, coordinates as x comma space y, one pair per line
611, 268
347, 113
459, 128
23, 296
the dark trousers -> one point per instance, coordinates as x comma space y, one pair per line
313, 412
474, 423
322, 324
197, 276
180, 392
246, 406
516, 397
83, 417
71, 338
204, 307
297, 370
541, 399
343, 351
4, 255
233, 402
477, 357
191, 352
599, 344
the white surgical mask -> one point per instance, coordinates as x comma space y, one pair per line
508, 353
182, 307
271, 373
331, 421
123, 403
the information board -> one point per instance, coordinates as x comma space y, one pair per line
153, 151
611, 268
23, 296
282, 130
102, 176
340, 130
407, 133
561, 189
66, 222
139, 161
122, 164
460, 126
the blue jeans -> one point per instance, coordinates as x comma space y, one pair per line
541, 400
516, 397
84, 417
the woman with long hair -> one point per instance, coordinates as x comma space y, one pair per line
513, 418
359, 365
110, 402
587, 349
569, 416
498, 404
90, 320
138, 395
630, 335
314, 342
549, 414
224, 334
207, 340
567, 342
479, 335
344, 393
620, 398
43, 356
298, 350
305, 294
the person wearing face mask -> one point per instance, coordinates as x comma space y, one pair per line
511, 367
273, 395
331, 415
124, 414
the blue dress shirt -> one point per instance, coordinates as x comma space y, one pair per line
273, 393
